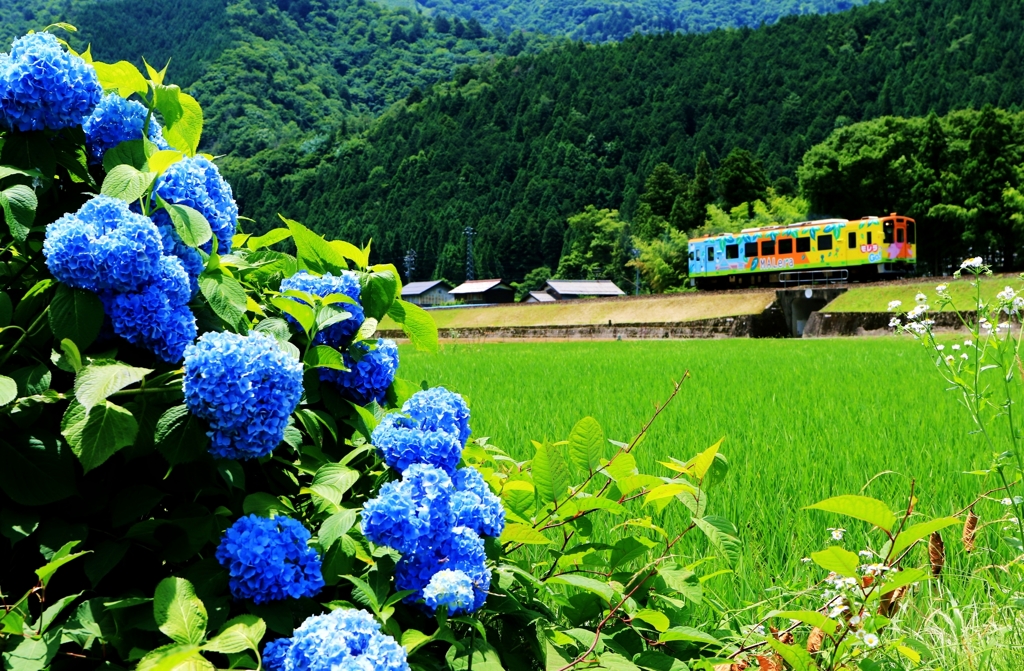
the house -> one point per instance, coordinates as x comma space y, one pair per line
484, 291
567, 289
433, 292
539, 297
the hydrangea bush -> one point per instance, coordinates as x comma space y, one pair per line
209, 458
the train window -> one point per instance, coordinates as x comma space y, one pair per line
824, 242
803, 245
786, 246
732, 251
767, 248
750, 249
899, 235
887, 228
869, 237
711, 253
851, 240
691, 256
911, 232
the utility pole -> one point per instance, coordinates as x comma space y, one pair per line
635, 253
470, 266
410, 264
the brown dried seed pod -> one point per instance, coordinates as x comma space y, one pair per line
786, 638
773, 663
970, 527
936, 553
890, 602
815, 640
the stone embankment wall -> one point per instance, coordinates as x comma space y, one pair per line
825, 324
769, 324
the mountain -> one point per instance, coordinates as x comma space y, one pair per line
515, 147
607, 20
269, 73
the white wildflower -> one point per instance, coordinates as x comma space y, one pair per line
837, 611
950, 359
954, 347
941, 289
837, 533
1015, 501
805, 560
920, 298
866, 553
871, 640
964, 356
968, 343
974, 262
939, 348
1007, 294
1002, 325
893, 305
855, 620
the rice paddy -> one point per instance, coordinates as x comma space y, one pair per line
802, 421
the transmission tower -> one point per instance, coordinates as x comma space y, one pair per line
470, 266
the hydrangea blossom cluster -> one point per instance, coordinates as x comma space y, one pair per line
269, 559
106, 248
368, 378
245, 387
436, 515
433, 429
196, 183
43, 87
116, 120
371, 367
339, 334
348, 640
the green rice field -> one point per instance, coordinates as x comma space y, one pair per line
802, 421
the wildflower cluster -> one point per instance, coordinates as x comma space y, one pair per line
269, 559
43, 87
371, 367
245, 387
116, 120
106, 248
340, 639
436, 515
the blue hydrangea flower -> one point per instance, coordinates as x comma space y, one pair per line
274, 654
42, 86
190, 257
461, 550
451, 589
245, 387
475, 505
104, 246
116, 120
368, 378
437, 409
155, 317
269, 559
341, 640
339, 334
197, 183
402, 442
415, 510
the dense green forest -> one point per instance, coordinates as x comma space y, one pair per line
271, 72
516, 147
604, 20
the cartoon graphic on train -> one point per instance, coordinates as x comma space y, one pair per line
822, 250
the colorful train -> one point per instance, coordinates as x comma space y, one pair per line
827, 250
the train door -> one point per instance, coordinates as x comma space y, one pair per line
709, 256
696, 259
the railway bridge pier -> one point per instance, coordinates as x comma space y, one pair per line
798, 304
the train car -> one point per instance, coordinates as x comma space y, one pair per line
826, 250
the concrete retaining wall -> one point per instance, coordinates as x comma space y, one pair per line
769, 324
826, 324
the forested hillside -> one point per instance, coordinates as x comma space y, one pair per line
603, 20
273, 72
516, 147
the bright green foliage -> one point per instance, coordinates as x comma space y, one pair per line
534, 281
518, 146
663, 261
950, 173
597, 247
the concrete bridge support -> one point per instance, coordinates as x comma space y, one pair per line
798, 304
